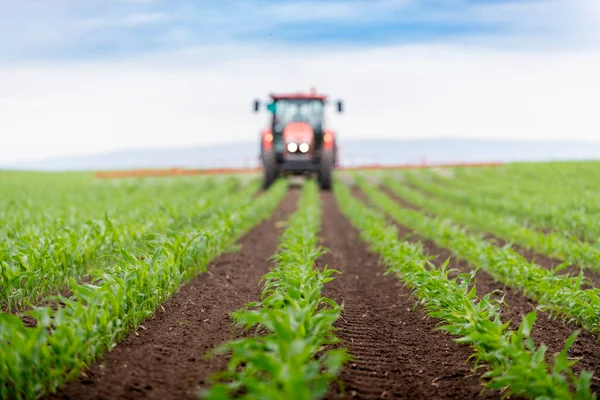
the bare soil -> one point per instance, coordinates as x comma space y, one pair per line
551, 332
165, 359
396, 351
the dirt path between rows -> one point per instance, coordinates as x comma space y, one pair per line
551, 332
397, 353
166, 360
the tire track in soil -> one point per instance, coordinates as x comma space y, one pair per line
540, 259
552, 332
397, 353
166, 360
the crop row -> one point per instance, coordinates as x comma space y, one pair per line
514, 364
35, 264
558, 194
34, 203
36, 360
496, 181
571, 250
293, 322
534, 211
563, 183
559, 294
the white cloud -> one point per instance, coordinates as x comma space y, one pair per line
395, 92
313, 10
144, 18
132, 20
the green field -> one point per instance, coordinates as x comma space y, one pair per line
505, 261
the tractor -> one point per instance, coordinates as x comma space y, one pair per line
297, 140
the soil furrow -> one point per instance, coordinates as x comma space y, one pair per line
166, 359
551, 332
397, 352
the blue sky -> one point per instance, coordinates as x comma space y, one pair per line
100, 29
85, 76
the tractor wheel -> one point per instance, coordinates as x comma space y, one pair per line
326, 170
270, 169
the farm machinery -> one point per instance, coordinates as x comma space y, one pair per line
297, 140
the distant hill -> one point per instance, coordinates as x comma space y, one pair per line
352, 153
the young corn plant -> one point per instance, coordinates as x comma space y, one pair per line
559, 294
36, 265
514, 365
558, 245
287, 358
36, 361
534, 211
556, 198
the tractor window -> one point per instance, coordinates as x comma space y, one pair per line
309, 111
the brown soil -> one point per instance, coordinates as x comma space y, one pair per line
165, 359
397, 353
551, 332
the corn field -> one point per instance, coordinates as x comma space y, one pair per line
456, 282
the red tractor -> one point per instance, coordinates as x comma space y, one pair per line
297, 142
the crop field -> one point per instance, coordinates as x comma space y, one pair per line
463, 283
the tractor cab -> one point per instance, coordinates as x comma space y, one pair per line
297, 140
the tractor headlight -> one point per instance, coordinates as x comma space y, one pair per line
292, 147
304, 147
